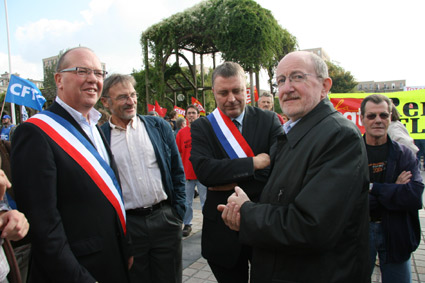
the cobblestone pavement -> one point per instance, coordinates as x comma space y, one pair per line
196, 269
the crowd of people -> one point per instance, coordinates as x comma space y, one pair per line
300, 196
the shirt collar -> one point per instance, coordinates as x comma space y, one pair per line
93, 114
289, 125
132, 124
240, 117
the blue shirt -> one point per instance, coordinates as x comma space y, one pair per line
5, 131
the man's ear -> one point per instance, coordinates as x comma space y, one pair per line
105, 102
327, 84
58, 80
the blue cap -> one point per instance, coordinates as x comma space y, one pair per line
6, 117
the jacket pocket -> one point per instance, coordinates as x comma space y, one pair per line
86, 246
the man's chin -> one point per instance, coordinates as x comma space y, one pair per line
233, 113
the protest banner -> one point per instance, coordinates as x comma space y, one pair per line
410, 104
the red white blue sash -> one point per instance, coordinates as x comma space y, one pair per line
229, 136
84, 153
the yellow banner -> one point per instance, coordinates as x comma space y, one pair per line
410, 104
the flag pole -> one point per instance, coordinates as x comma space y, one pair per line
12, 105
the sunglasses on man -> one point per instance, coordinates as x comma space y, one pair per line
383, 115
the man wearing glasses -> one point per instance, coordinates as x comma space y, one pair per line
311, 223
153, 183
395, 193
66, 182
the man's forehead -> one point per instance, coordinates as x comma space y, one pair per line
123, 86
294, 63
372, 106
234, 80
82, 56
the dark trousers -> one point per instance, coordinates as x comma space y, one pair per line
157, 246
235, 274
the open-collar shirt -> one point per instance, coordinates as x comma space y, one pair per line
88, 126
137, 165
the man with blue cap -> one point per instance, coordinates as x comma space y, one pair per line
7, 128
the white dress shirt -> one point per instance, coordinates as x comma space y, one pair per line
140, 175
89, 126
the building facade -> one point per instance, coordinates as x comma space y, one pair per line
383, 86
4, 82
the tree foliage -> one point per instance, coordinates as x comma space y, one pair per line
173, 76
240, 30
49, 84
342, 81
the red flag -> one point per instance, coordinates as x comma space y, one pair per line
180, 111
350, 109
199, 105
151, 107
255, 93
161, 111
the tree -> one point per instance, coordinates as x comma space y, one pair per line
239, 30
342, 81
175, 80
49, 84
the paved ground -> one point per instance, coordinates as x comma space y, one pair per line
196, 269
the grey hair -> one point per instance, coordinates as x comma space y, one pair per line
116, 79
266, 94
227, 70
319, 66
179, 122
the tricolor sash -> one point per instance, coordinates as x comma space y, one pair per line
84, 153
229, 136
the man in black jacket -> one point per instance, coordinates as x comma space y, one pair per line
65, 181
225, 155
311, 224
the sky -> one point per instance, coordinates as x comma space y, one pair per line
373, 39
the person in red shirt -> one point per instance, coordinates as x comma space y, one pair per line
184, 144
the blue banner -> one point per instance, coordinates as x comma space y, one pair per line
24, 92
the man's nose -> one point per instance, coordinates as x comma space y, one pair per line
92, 77
231, 97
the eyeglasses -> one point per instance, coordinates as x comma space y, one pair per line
293, 78
84, 72
124, 98
383, 116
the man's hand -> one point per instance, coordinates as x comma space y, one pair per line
13, 224
404, 177
4, 183
231, 212
261, 161
227, 187
130, 262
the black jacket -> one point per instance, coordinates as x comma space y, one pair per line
213, 167
76, 234
311, 224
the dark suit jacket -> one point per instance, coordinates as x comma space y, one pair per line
311, 224
75, 232
168, 158
213, 167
